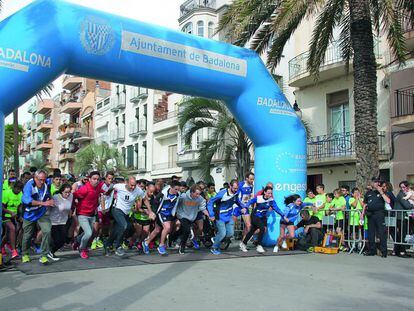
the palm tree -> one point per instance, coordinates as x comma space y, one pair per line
227, 138
267, 25
99, 157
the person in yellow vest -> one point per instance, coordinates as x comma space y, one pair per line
320, 201
12, 203
338, 207
7, 185
356, 204
310, 198
56, 183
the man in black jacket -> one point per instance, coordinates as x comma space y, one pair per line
375, 200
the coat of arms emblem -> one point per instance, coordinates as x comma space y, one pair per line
97, 36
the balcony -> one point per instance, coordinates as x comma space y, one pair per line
45, 126
138, 93
138, 127
192, 5
402, 112
45, 106
43, 145
82, 135
117, 105
339, 148
408, 29
32, 108
70, 82
67, 131
68, 154
118, 135
332, 67
164, 166
71, 106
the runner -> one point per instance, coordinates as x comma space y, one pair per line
12, 203
36, 200
190, 204
310, 198
141, 217
56, 183
245, 193
88, 200
165, 217
101, 227
127, 195
293, 207
59, 217
320, 200
220, 209
261, 205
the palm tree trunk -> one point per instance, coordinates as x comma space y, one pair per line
365, 92
16, 141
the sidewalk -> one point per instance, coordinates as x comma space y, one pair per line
300, 282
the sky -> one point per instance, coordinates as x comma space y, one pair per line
160, 12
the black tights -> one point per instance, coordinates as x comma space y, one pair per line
59, 233
257, 223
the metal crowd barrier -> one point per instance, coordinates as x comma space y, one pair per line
399, 226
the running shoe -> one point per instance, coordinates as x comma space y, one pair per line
145, 248
75, 246
276, 249
120, 251
52, 256
84, 254
260, 249
124, 246
25, 259
181, 250
15, 254
43, 260
162, 251
310, 250
284, 245
243, 247
152, 245
215, 251
196, 245
99, 243
94, 244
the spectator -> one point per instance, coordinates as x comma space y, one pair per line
401, 205
312, 229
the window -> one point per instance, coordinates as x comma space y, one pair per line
106, 102
188, 28
145, 111
137, 113
99, 105
210, 30
124, 155
339, 120
136, 156
130, 156
117, 121
172, 156
123, 119
200, 28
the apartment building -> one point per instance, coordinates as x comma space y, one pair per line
329, 108
76, 130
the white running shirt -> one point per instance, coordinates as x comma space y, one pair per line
126, 199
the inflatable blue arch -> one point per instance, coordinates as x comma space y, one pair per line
49, 38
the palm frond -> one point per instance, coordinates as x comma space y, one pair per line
206, 153
406, 7
46, 91
376, 15
345, 42
281, 37
322, 35
391, 19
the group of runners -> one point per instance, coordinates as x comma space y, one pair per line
47, 213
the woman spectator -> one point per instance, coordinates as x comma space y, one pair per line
59, 215
400, 205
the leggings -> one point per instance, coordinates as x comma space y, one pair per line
185, 231
58, 237
257, 223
